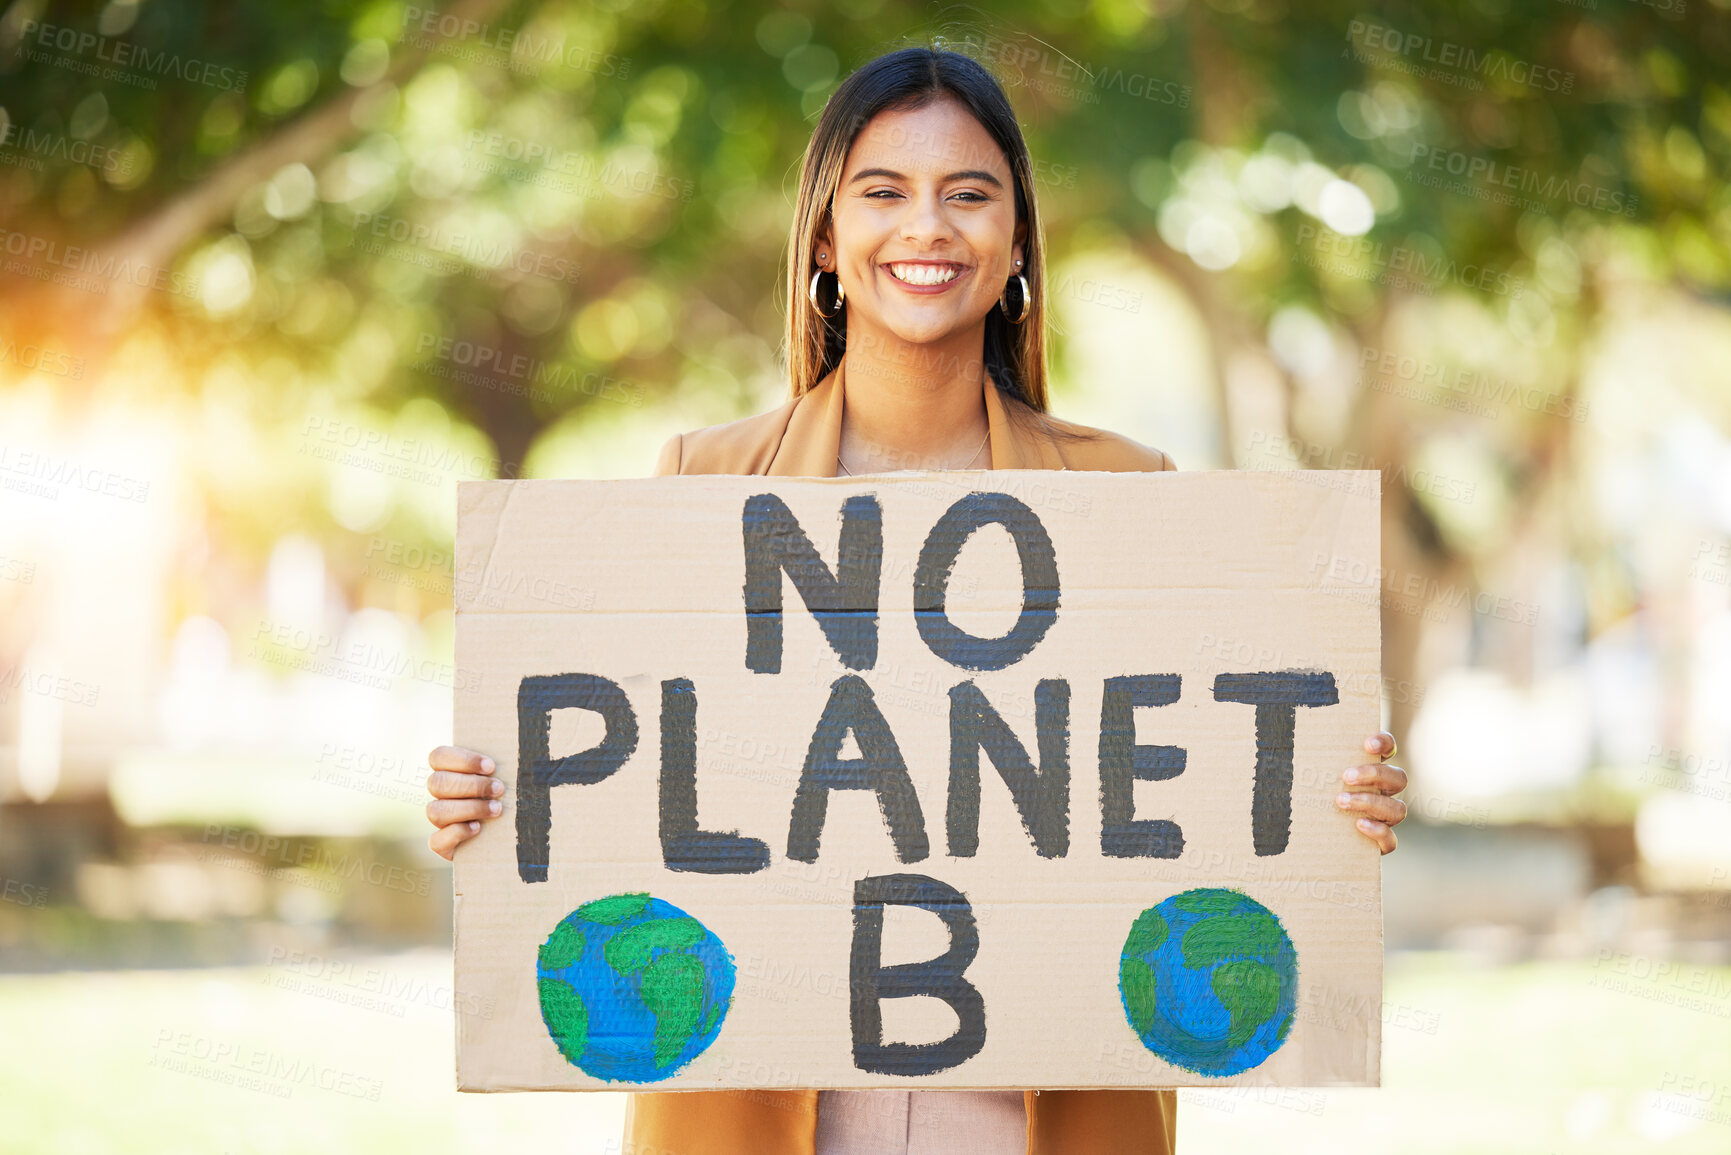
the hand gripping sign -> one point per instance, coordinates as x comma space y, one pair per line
1003, 779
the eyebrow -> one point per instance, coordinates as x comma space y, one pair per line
965, 174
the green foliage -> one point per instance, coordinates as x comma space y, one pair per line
469, 236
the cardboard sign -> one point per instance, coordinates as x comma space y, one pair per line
990, 779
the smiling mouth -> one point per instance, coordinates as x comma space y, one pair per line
923, 273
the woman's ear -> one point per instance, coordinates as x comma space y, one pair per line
1017, 252
822, 251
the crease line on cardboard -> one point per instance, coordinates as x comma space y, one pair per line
498, 532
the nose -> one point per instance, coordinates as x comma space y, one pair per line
924, 219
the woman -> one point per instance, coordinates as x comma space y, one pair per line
917, 228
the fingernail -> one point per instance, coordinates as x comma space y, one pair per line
474, 828
494, 808
486, 765
1342, 799
498, 787
1352, 775
1364, 824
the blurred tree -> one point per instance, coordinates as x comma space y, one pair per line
520, 211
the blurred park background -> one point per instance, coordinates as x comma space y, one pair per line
275, 277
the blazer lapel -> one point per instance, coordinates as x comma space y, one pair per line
812, 439
1016, 443
813, 436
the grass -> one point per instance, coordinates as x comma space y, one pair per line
1535, 1058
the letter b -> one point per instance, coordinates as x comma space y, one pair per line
939, 978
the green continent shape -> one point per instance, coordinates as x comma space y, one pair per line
630, 950
566, 1017
673, 991
1208, 901
1251, 934
1148, 932
614, 909
1136, 980
563, 947
1249, 990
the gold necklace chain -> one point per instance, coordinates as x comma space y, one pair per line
840, 365
963, 465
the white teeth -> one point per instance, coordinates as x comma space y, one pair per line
924, 274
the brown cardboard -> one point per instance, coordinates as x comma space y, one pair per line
1189, 574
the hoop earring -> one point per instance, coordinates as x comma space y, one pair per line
840, 294
1027, 296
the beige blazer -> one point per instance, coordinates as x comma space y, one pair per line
801, 439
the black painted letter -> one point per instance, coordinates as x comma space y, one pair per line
1275, 695
1123, 762
683, 845
880, 768
537, 773
940, 978
845, 604
1039, 582
1042, 798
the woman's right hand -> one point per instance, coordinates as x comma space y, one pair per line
465, 794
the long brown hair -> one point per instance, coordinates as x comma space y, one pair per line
912, 78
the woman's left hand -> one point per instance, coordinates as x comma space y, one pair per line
1368, 791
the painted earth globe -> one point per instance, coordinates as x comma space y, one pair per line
1209, 981
633, 988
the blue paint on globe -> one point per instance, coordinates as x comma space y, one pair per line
1209, 981
632, 988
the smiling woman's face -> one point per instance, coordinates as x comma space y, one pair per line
925, 230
